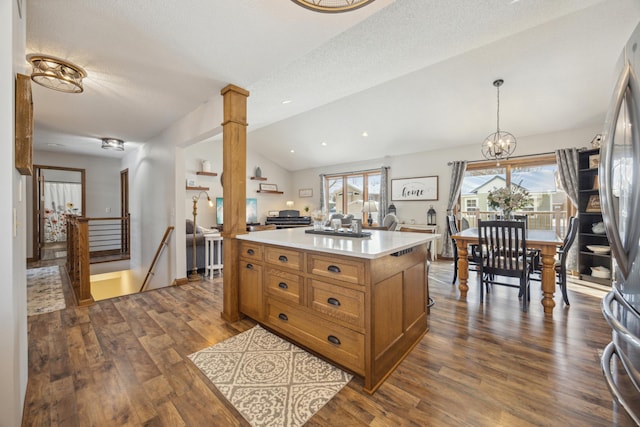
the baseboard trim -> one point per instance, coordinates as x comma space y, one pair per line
181, 281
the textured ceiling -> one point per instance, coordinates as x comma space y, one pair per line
415, 74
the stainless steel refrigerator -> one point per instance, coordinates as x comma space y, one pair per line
619, 172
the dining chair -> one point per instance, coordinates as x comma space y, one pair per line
472, 250
521, 217
503, 252
562, 253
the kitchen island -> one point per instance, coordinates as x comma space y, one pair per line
357, 302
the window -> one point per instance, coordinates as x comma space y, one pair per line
471, 205
537, 175
347, 192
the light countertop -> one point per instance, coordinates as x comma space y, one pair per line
379, 244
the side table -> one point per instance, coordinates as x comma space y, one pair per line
213, 253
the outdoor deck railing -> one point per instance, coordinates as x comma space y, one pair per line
537, 220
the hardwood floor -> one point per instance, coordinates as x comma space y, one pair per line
124, 362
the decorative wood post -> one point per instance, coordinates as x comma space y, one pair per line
234, 165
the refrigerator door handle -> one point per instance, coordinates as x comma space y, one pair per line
609, 316
626, 82
605, 364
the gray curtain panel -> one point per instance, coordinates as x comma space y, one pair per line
457, 175
324, 202
567, 161
384, 193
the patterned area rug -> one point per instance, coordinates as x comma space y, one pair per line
270, 381
44, 290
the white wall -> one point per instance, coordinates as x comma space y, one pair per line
430, 163
102, 176
157, 186
212, 151
13, 287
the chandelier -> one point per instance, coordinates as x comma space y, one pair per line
56, 74
113, 144
499, 145
332, 6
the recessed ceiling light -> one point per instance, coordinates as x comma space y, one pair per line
365, 134
286, 101
292, 151
324, 144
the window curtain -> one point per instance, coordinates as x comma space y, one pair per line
457, 176
60, 200
384, 194
567, 161
324, 196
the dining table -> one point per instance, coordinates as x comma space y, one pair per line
547, 241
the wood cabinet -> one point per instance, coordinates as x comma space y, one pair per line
363, 314
590, 214
250, 274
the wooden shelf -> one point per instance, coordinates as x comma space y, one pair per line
258, 178
586, 258
206, 173
270, 192
198, 188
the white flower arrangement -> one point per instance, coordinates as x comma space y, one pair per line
509, 199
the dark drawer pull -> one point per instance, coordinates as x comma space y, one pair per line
333, 301
283, 258
283, 285
334, 269
250, 266
333, 339
251, 251
283, 316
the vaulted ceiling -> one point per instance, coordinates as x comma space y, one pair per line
415, 75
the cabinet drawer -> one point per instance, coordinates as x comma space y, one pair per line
283, 257
339, 303
284, 285
341, 269
251, 250
336, 343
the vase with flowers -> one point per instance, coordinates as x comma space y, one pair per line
509, 199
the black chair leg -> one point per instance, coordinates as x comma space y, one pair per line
563, 288
455, 270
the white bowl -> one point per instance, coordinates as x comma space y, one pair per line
598, 228
599, 249
600, 272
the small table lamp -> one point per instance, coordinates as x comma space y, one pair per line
368, 207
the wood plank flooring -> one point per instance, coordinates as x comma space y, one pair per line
123, 362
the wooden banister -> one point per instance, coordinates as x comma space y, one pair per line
163, 243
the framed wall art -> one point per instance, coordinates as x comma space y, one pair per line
268, 187
593, 205
419, 188
305, 192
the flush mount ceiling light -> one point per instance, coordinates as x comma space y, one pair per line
56, 74
332, 6
499, 145
113, 144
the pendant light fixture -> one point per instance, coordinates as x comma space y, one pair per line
57, 74
332, 6
499, 145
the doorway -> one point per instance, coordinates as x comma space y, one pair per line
58, 193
